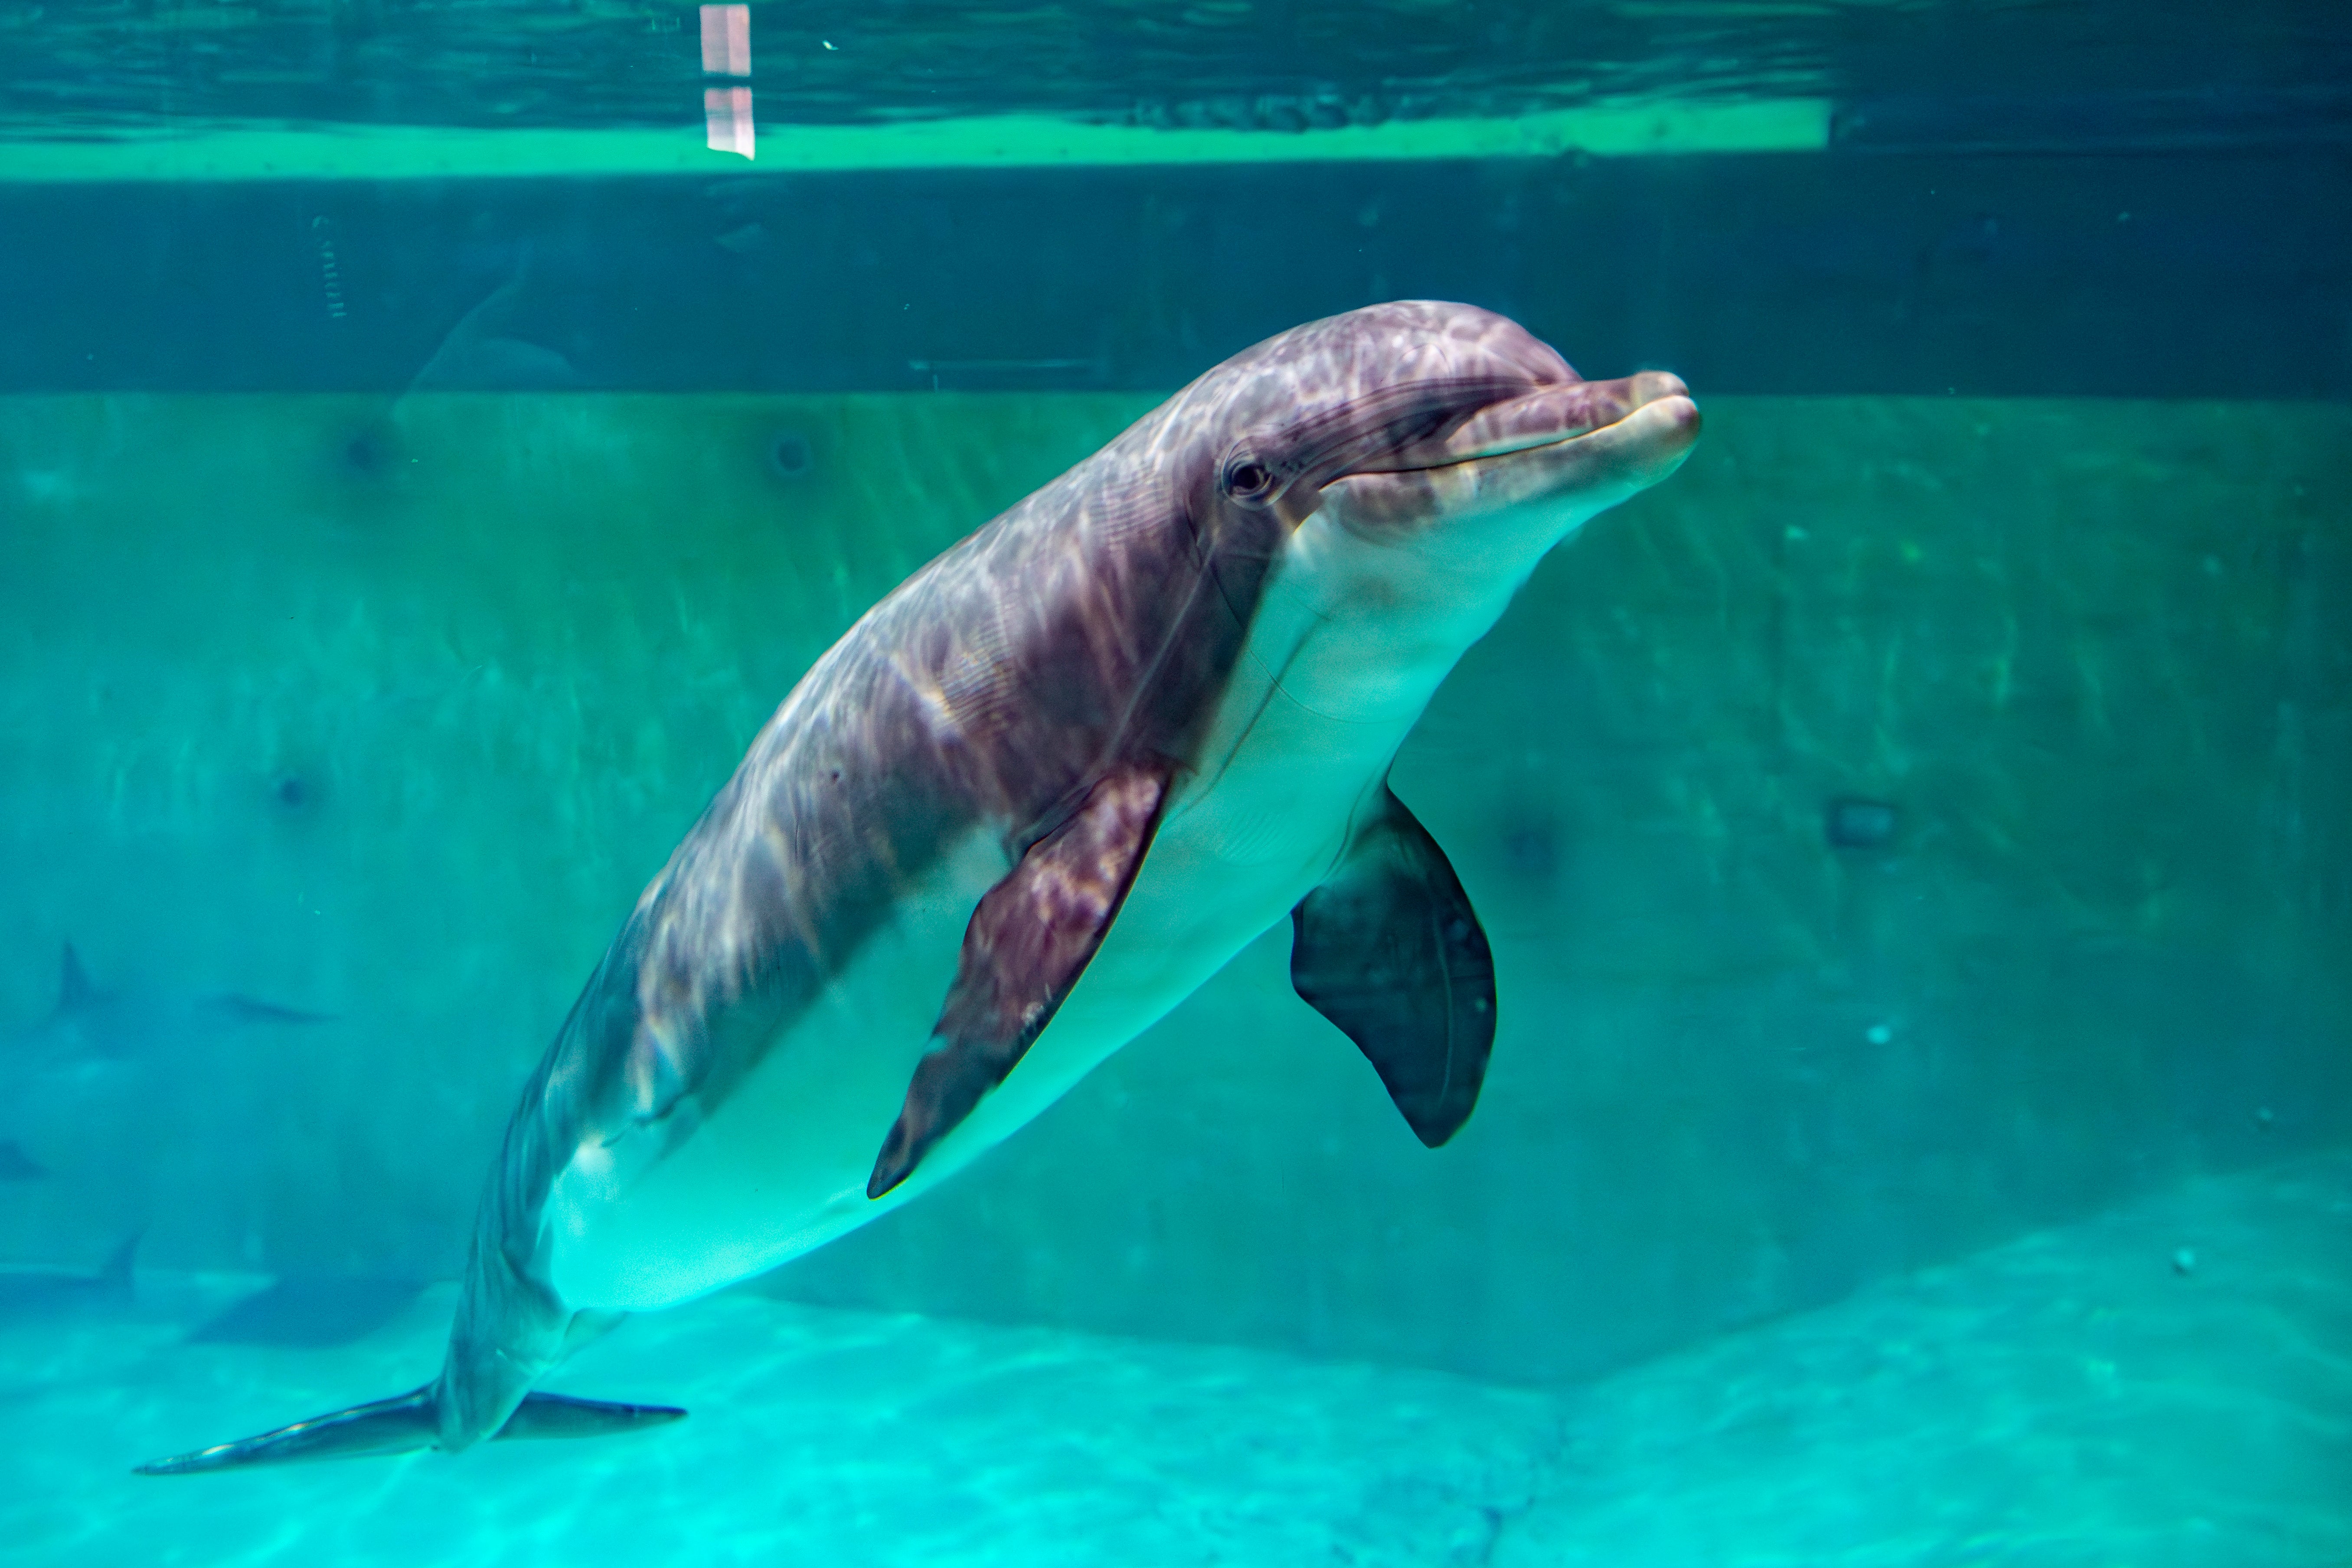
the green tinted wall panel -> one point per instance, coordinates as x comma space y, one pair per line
1920, 820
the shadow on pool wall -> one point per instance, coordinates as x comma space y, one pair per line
1921, 821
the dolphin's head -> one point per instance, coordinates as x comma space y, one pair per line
1420, 425
1408, 465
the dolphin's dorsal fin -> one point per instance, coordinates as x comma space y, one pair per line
74, 990
1390, 949
116, 1274
1031, 938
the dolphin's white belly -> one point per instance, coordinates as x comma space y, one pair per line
782, 1166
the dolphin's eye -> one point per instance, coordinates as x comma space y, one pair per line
1248, 480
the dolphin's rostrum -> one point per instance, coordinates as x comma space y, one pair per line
1058, 777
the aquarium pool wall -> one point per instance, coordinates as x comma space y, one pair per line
384, 707
1985, 271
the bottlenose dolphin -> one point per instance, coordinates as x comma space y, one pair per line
104, 1048
1059, 777
50, 1292
118, 1026
483, 353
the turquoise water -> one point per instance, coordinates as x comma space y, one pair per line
1914, 840
2071, 1397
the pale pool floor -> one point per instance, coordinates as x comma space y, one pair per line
2074, 1398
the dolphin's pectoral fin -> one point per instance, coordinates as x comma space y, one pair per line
249, 1010
15, 1165
406, 1423
1390, 949
1031, 938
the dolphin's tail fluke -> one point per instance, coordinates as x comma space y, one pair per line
405, 1423
394, 1425
561, 1415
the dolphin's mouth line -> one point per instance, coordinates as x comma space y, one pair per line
1511, 451
1637, 393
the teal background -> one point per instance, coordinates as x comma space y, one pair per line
430, 451
386, 708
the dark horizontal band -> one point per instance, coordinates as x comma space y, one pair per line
2101, 274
